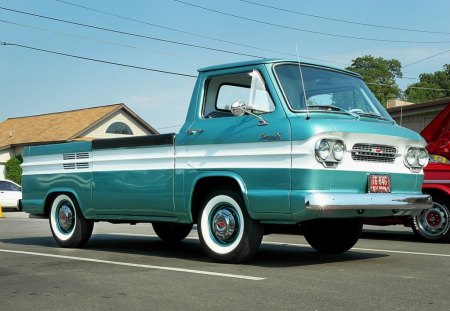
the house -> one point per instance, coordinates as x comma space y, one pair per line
416, 116
82, 124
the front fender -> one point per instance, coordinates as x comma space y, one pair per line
211, 176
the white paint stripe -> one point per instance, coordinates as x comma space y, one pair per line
307, 245
257, 155
401, 252
118, 263
367, 250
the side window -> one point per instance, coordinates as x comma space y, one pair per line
229, 94
8, 186
222, 91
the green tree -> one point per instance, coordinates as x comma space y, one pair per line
431, 86
13, 169
379, 75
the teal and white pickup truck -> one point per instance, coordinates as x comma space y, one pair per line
265, 143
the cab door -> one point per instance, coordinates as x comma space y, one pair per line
256, 147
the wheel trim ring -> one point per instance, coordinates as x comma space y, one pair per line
65, 218
440, 228
224, 224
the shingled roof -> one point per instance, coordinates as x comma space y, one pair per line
58, 127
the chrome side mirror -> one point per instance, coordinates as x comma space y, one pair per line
238, 108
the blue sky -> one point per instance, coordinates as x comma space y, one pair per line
33, 82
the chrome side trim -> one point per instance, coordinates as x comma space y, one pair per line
437, 181
366, 201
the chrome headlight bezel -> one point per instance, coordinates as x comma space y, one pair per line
416, 158
329, 151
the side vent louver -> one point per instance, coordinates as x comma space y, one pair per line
69, 166
72, 157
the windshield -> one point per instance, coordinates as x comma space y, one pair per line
327, 90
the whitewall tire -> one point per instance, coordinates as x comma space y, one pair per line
226, 231
68, 226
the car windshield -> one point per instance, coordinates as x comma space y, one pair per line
327, 90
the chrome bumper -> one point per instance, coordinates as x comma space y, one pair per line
367, 201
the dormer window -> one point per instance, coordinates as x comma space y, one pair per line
119, 128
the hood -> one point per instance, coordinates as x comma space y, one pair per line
437, 134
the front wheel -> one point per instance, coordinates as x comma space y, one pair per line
171, 232
226, 231
434, 224
332, 236
68, 226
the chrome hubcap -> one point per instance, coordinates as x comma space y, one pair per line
65, 217
224, 225
434, 221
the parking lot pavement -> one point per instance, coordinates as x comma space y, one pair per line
128, 267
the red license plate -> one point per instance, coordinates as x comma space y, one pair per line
379, 183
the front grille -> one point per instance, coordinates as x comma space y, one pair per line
374, 153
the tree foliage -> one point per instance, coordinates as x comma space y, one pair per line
13, 169
431, 86
379, 75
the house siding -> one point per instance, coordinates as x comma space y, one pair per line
100, 130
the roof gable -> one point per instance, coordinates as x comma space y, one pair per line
57, 127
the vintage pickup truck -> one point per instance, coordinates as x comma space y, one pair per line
265, 143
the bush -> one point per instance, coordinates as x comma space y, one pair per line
13, 169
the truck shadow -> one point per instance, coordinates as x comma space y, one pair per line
268, 255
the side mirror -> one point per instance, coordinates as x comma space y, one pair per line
238, 108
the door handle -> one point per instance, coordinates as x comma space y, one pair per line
195, 131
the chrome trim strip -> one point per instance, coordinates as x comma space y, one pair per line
366, 201
437, 181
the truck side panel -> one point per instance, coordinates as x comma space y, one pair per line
133, 176
56, 168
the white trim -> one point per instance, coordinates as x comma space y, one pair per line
436, 181
256, 155
140, 159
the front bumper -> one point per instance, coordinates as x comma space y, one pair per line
367, 201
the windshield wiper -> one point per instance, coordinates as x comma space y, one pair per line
326, 107
368, 114
333, 108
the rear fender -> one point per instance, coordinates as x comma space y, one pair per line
51, 194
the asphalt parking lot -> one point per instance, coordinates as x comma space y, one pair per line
127, 267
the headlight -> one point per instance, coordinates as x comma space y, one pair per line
338, 150
330, 151
411, 157
416, 159
423, 157
324, 150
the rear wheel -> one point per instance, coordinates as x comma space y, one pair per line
434, 224
332, 236
226, 231
68, 226
171, 232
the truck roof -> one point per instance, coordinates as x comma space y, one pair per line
268, 61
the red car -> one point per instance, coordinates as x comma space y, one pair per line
432, 224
